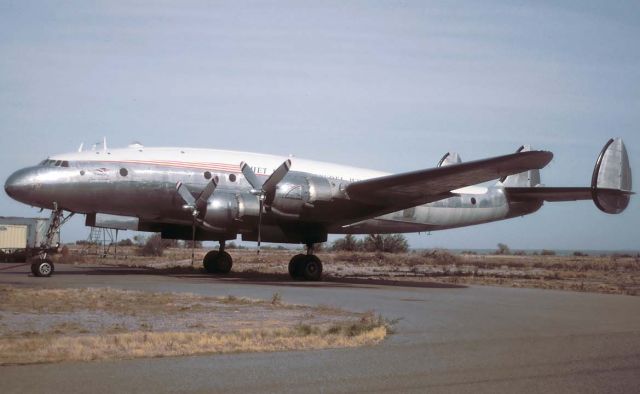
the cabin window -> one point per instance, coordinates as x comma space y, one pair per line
232, 177
473, 201
81, 172
124, 172
207, 175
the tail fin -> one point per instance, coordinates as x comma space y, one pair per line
612, 172
449, 158
530, 178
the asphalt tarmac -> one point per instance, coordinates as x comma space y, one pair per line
449, 339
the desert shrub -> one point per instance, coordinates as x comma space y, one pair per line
547, 252
154, 246
579, 254
503, 249
125, 242
348, 244
390, 243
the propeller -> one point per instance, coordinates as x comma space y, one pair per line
265, 191
196, 206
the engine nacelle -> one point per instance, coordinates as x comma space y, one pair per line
222, 211
298, 191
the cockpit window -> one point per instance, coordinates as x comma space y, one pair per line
64, 164
58, 163
43, 162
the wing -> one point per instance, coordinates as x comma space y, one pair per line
423, 186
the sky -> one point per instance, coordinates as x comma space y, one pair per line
387, 85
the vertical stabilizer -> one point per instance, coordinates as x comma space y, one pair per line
612, 172
529, 178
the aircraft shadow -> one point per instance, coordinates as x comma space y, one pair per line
251, 278
258, 278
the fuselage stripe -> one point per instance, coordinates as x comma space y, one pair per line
198, 165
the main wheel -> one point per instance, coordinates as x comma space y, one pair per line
216, 262
294, 265
311, 268
224, 262
209, 261
42, 268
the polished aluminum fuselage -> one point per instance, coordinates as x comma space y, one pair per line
141, 182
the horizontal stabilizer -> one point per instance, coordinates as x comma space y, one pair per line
610, 183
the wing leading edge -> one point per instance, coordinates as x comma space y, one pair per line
423, 186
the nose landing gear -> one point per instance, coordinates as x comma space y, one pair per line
41, 265
306, 266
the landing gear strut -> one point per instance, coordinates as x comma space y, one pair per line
218, 261
306, 266
41, 265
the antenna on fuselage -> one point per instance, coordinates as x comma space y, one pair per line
80, 147
104, 143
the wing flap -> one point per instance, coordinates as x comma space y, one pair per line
423, 186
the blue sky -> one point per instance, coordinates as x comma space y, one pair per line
386, 85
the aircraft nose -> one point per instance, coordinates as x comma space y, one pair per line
17, 184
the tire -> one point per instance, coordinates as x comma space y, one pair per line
223, 263
209, 261
311, 268
294, 265
43, 268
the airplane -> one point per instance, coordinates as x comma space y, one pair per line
206, 194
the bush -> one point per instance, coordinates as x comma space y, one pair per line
503, 249
155, 245
125, 242
347, 244
390, 243
546, 252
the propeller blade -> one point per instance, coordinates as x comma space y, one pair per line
261, 199
185, 194
193, 241
201, 202
269, 186
250, 176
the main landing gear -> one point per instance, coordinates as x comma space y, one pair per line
218, 261
306, 266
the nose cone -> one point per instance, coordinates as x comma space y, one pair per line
17, 185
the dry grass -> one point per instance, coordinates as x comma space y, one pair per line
161, 344
49, 325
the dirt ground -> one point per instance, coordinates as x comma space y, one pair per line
600, 274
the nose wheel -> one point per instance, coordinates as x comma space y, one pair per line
42, 267
306, 266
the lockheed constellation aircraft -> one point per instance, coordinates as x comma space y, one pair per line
206, 194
